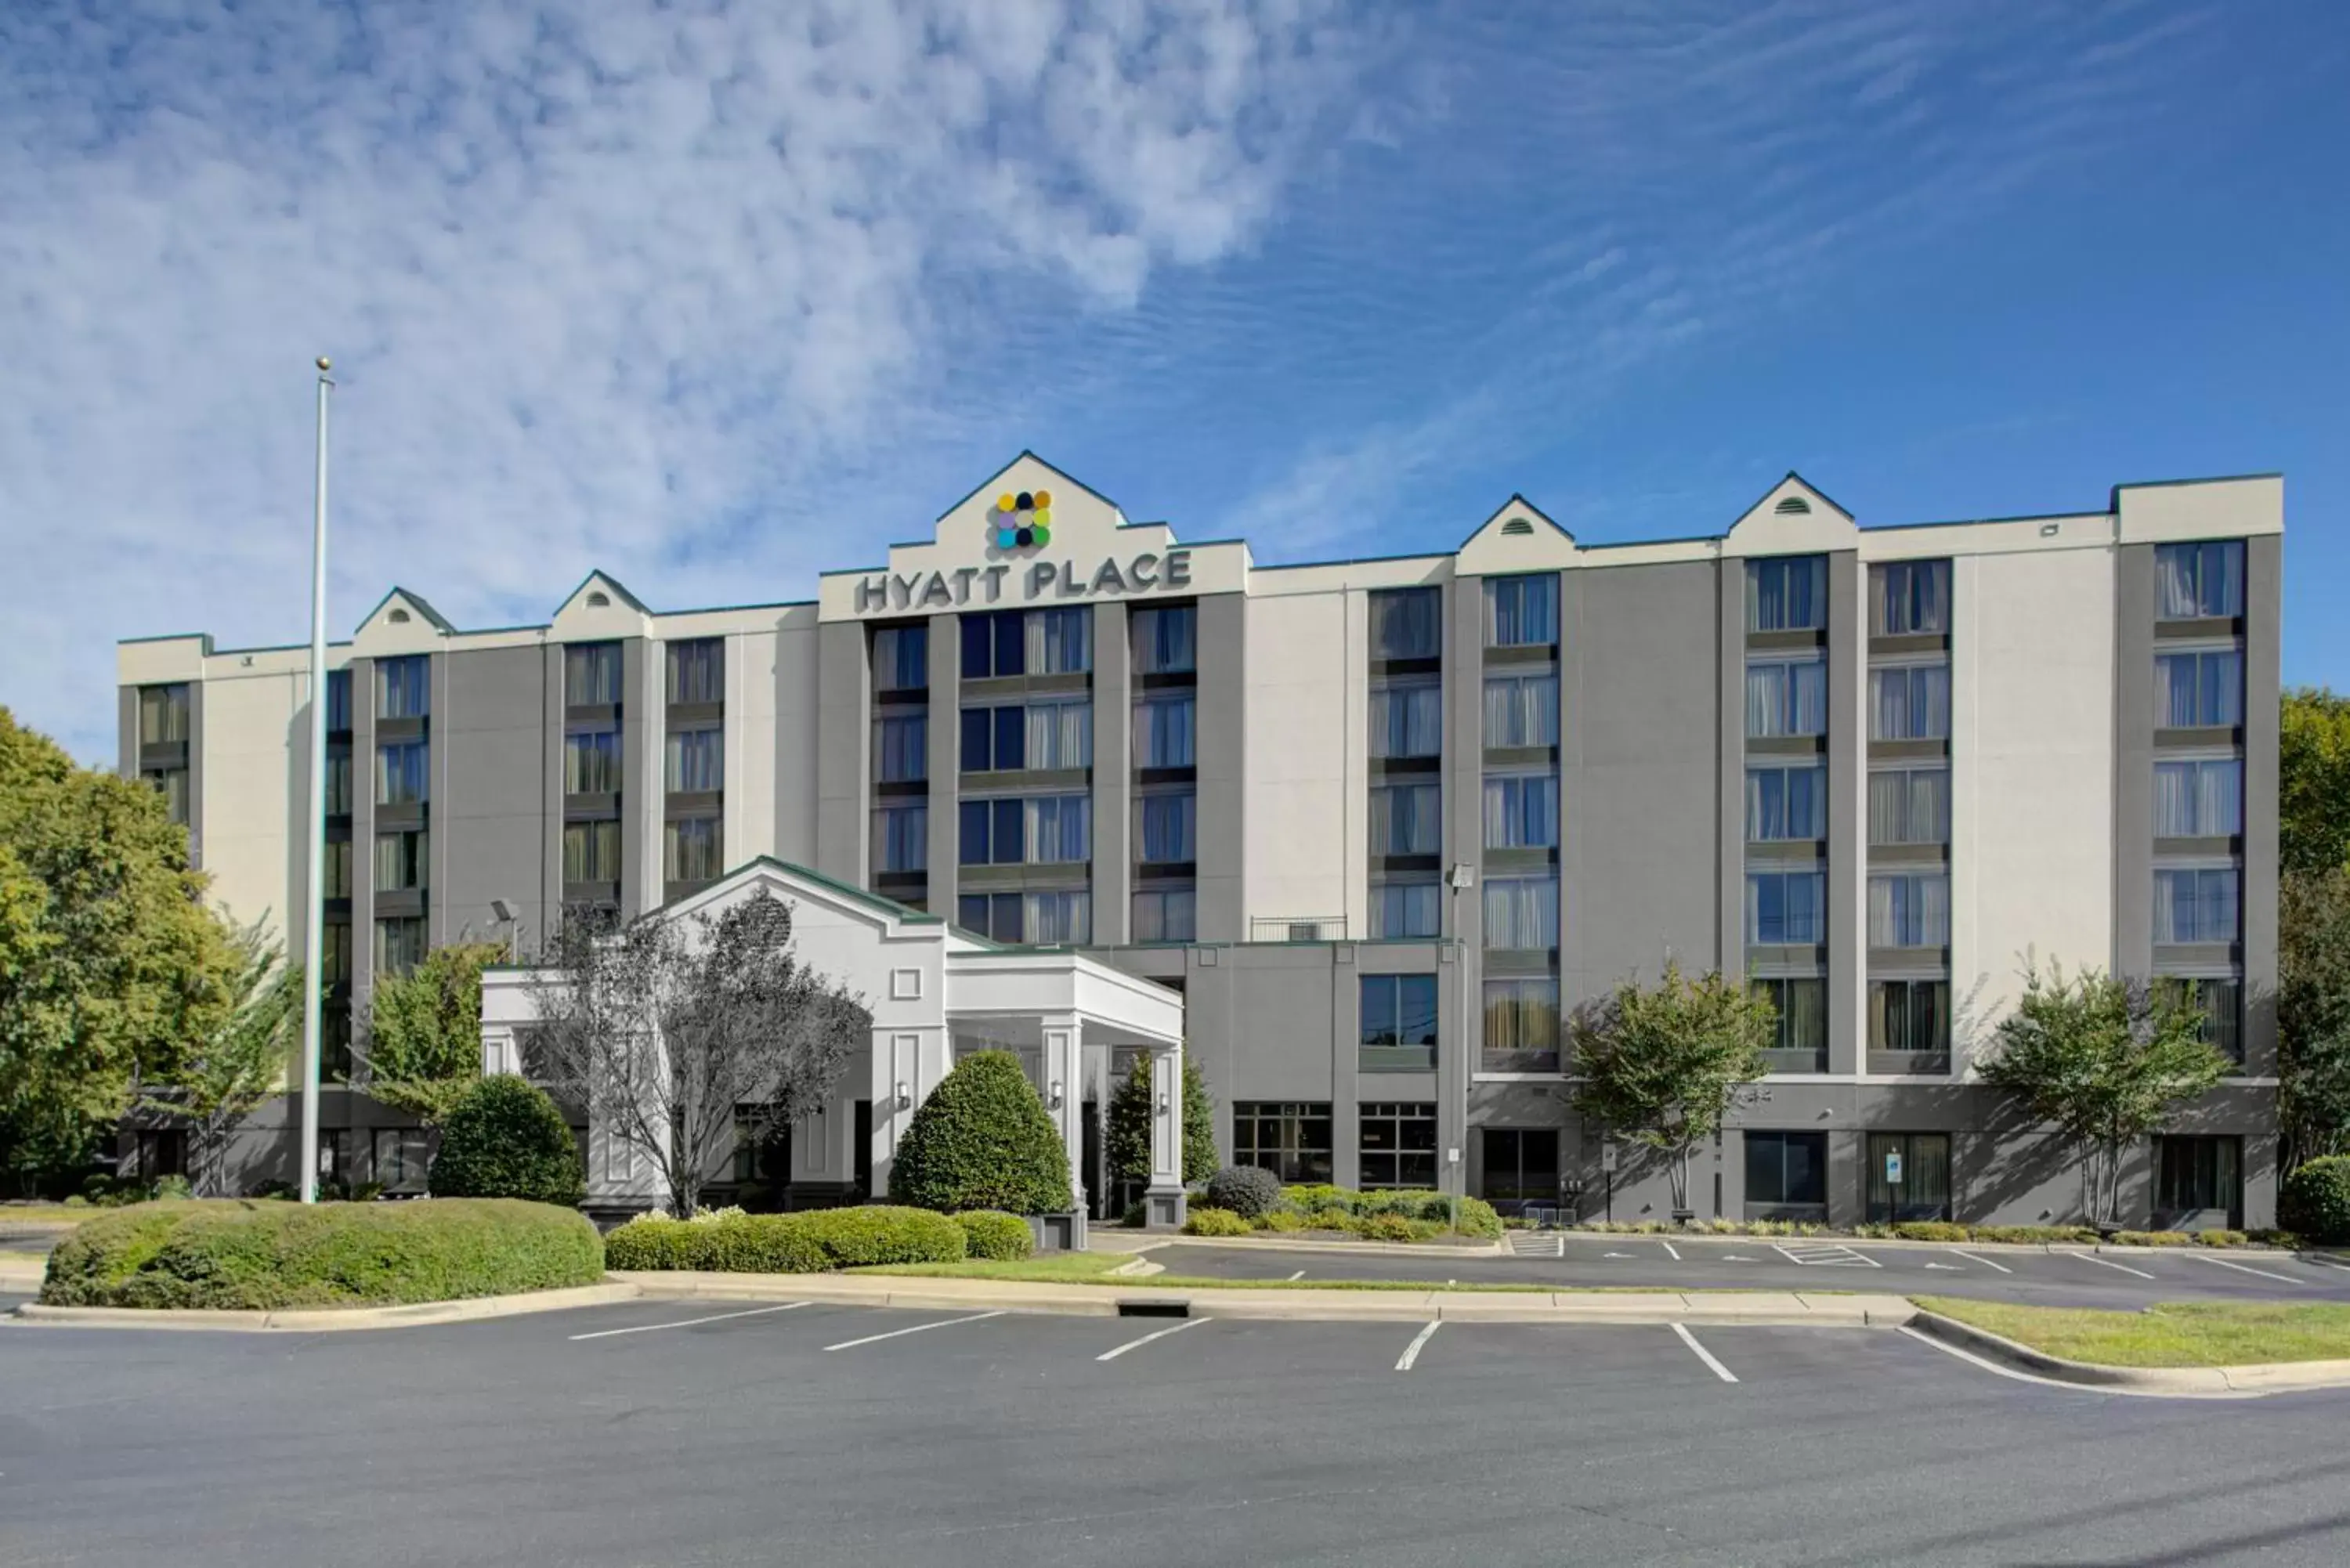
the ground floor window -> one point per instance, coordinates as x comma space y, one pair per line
1520, 1165
2193, 1173
1291, 1139
1908, 1177
399, 1157
1786, 1169
1398, 1143
159, 1151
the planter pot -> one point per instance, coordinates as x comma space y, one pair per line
1061, 1232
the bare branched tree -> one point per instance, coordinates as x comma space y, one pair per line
667, 1029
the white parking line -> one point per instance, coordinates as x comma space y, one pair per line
2328, 1263
1146, 1339
1668, 1246
2242, 1268
1825, 1255
1298, 1275
1412, 1351
688, 1321
918, 1328
2092, 1257
1704, 1354
1986, 1262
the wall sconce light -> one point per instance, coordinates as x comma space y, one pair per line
1162, 1106
1056, 1093
905, 1100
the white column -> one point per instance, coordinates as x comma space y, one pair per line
913, 1060
1164, 1197
1063, 1054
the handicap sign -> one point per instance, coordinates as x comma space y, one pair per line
1892, 1168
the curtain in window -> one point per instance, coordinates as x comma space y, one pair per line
1909, 911
1060, 642
1164, 732
338, 783
1785, 908
1789, 593
591, 674
1803, 1015
2199, 799
1909, 598
902, 842
1909, 703
1166, 828
402, 688
1521, 1015
591, 763
1785, 804
401, 859
1163, 640
2195, 906
1060, 735
1520, 612
1165, 916
1909, 805
1404, 909
697, 671
1404, 623
689, 851
1786, 696
1408, 721
399, 945
1522, 711
1405, 819
1065, 917
2194, 690
902, 748
1521, 812
695, 761
1521, 912
591, 852
1056, 828
2201, 580
400, 774
901, 659
164, 713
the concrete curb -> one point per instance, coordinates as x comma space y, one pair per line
2269, 1377
1278, 1243
329, 1320
1702, 1239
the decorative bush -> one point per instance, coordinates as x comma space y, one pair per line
505, 1138
805, 1243
1244, 1189
1204, 1222
254, 1253
2315, 1202
1389, 1227
1280, 1219
1330, 1217
1929, 1231
991, 1233
983, 1140
2221, 1238
1320, 1200
2153, 1239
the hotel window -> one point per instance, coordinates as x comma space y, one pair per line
400, 774
1049, 918
2199, 799
1033, 735
337, 870
1408, 720
1163, 640
591, 674
591, 852
1801, 1002
1407, 819
692, 850
171, 784
694, 762
335, 952
1786, 696
339, 701
901, 658
1521, 1027
1166, 828
2199, 1173
1520, 1165
163, 714
1406, 623
1786, 804
2199, 582
2220, 999
697, 671
1522, 612
1163, 732
1398, 1144
1027, 642
1910, 911
403, 861
2197, 904
1909, 805
1909, 1015
403, 687
1288, 1137
901, 749
591, 763
1168, 915
1909, 703
1788, 593
338, 781
1398, 1024
1405, 908
1521, 812
1909, 598
400, 1157
2203, 688
1787, 1167
1034, 830
1522, 709
399, 944
1785, 909
902, 839
1520, 913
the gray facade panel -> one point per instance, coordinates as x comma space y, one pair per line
1847, 870
1113, 796
843, 743
1221, 638
1463, 828
1729, 762
550, 837
2133, 760
942, 743
363, 788
127, 730
639, 775
2264, 620
489, 837
196, 773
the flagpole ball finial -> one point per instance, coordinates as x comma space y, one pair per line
325, 363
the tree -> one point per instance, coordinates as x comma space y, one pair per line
674, 1032
423, 1047
2313, 781
108, 959
2104, 1059
2312, 1015
1663, 1064
505, 1138
222, 1078
1126, 1146
1199, 1125
983, 1140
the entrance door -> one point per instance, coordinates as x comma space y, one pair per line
1520, 1166
1908, 1177
1090, 1163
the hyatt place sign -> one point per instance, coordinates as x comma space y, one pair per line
900, 592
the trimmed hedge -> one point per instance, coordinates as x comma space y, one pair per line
1478, 1217
983, 1140
2315, 1202
506, 1139
1206, 1221
1244, 1189
991, 1233
807, 1243
249, 1254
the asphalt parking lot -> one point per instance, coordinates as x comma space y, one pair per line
667, 1432
2072, 1276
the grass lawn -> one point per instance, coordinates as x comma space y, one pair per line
13, 1215
1094, 1269
2172, 1333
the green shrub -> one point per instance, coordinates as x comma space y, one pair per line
1390, 1227
804, 1243
2315, 1202
880, 1233
505, 1138
248, 1253
2153, 1239
1930, 1230
1136, 1215
2221, 1238
1332, 1218
1281, 1220
1244, 1189
983, 1140
2033, 1235
992, 1233
1206, 1221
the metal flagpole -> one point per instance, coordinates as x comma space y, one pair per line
315, 921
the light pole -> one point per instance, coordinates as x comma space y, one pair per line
1460, 877
315, 917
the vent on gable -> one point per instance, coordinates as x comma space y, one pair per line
1517, 526
398, 618
599, 600
1793, 507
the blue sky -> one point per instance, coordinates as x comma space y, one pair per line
716, 297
